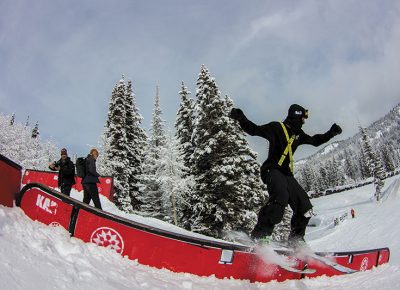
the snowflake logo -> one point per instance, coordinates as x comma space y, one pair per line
108, 238
108, 181
364, 264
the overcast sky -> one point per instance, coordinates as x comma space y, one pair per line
59, 60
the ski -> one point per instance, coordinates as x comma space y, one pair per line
323, 259
298, 271
300, 253
261, 249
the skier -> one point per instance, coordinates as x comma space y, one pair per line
277, 171
66, 172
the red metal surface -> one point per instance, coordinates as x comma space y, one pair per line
176, 252
178, 256
50, 178
46, 208
10, 181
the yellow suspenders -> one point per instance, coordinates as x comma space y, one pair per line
288, 149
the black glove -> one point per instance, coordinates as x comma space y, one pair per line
236, 114
335, 129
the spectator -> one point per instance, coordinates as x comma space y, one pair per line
89, 182
66, 172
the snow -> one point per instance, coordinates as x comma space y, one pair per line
329, 148
35, 256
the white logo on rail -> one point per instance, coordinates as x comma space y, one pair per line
109, 238
46, 204
364, 264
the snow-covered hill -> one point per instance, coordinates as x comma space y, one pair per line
35, 256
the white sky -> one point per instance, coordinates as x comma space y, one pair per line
59, 60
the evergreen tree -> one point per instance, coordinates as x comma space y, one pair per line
282, 230
136, 144
117, 148
27, 122
387, 159
35, 131
349, 166
374, 163
16, 143
184, 126
222, 198
152, 193
12, 120
362, 161
170, 174
308, 178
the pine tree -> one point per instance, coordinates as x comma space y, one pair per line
282, 230
386, 153
151, 197
35, 131
308, 178
170, 173
136, 144
12, 120
374, 163
349, 166
117, 148
184, 126
222, 198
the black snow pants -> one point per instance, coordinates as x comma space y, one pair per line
283, 190
90, 192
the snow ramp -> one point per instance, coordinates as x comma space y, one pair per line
177, 252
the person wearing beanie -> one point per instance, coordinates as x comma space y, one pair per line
277, 171
66, 172
89, 182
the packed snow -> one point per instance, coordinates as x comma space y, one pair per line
36, 256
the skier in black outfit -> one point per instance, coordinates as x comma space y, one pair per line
66, 172
89, 182
277, 171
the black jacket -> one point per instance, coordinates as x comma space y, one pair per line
274, 133
91, 173
66, 174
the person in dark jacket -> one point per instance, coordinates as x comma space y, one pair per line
66, 172
277, 171
89, 182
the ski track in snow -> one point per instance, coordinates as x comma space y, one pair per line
35, 256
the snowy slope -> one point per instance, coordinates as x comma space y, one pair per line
35, 256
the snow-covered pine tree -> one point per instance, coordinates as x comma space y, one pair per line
374, 163
16, 143
387, 159
282, 230
184, 126
308, 178
35, 131
222, 198
349, 166
136, 143
116, 147
246, 191
362, 163
170, 173
12, 120
151, 191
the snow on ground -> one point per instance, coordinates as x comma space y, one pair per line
35, 256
